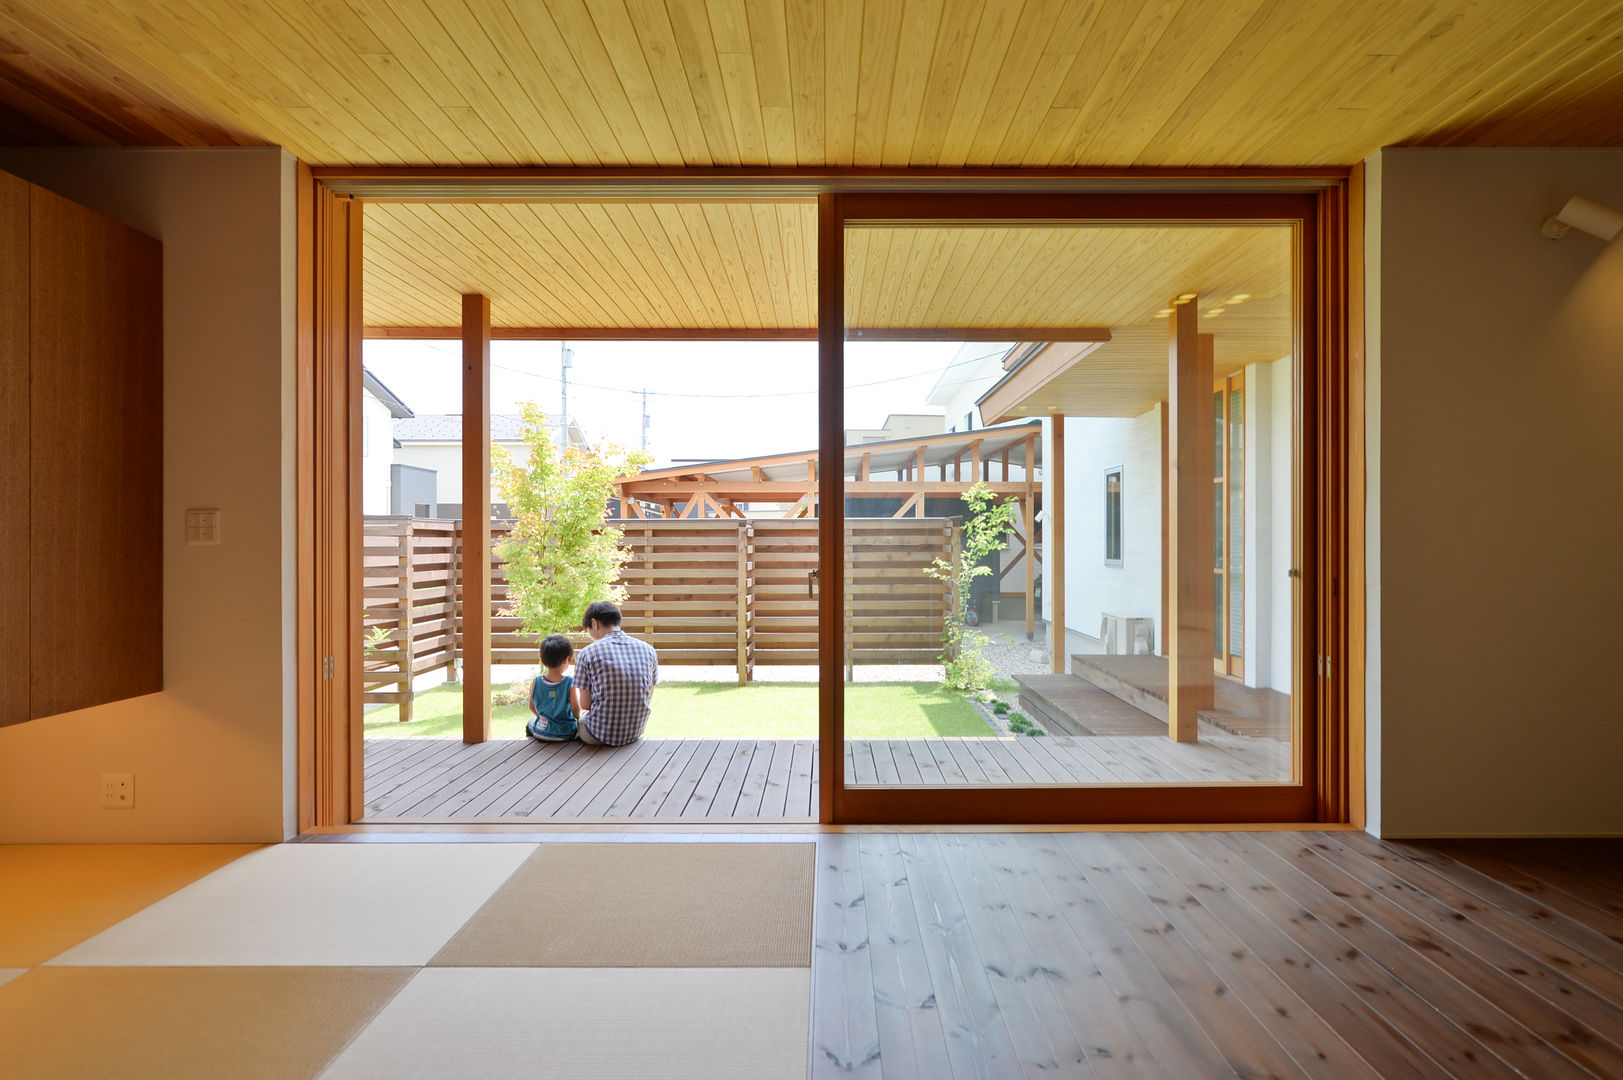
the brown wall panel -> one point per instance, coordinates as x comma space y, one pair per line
96, 469
13, 449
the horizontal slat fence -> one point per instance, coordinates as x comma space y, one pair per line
735, 592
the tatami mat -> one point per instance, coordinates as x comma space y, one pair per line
589, 1024
57, 895
179, 1023
7, 974
313, 904
646, 905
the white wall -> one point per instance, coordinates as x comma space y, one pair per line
446, 460
1495, 455
1093, 445
211, 754
377, 452
1268, 514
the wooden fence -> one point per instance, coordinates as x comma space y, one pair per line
733, 592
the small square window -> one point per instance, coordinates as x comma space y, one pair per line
1113, 517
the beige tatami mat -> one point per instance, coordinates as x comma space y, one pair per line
313, 904
589, 1024
182, 1023
57, 895
646, 905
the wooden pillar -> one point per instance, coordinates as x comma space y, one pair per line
744, 583
475, 518
1189, 523
408, 588
1031, 532
1056, 543
831, 522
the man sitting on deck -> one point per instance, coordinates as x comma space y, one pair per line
614, 678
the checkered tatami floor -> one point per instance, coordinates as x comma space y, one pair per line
407, 960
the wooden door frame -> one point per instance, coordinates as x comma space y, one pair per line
1320, 224
1328, 398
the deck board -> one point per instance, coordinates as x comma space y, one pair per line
423, 779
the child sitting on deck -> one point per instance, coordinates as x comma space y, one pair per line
551, 696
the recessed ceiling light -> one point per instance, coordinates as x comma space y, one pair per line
1216, 311
1186, 297
1163, 313
1239, 298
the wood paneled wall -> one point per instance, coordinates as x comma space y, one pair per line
13, 449
83, 412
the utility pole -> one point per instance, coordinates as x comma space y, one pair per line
568, 356
645, 420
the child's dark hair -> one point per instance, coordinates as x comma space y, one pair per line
555, 649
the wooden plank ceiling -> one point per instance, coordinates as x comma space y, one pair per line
813, 82
740, 266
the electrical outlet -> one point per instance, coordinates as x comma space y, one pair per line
117, 790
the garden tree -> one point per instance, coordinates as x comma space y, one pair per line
989, 521
560, 554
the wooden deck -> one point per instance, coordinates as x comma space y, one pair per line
444, 780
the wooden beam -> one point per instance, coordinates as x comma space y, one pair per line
980, 333
475, 518
1189, 522
1055, 539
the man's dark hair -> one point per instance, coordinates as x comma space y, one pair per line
604, 612
555, 649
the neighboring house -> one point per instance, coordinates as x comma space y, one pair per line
898, 426
1112, 505
433, 442
380, 409
969, 374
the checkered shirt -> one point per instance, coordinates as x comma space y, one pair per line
619, 672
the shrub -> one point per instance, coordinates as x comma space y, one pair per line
1000, 707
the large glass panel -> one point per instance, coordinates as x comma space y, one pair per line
948, 683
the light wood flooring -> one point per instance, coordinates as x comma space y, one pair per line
1215, 955
420, 779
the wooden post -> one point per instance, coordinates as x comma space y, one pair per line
475, 518
1056, 544
955, 545
1189, 523
831, 522
408, 585
743, 602
1031, 532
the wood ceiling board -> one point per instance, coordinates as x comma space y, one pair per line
1061, 276
1128, 375
637, 266
795, 83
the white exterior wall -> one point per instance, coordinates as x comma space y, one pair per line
377, 450
1094, 445
1268, 534
446, 460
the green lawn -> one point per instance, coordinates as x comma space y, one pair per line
728, 711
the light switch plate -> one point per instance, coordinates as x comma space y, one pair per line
202, 526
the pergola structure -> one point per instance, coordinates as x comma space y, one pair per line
898, 468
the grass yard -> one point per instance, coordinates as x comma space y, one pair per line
727, 711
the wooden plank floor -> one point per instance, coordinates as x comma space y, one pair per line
420, 779
1215, 955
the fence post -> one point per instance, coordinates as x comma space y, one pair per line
847, 625
454, 600
408, 583
955, 597
743, 602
